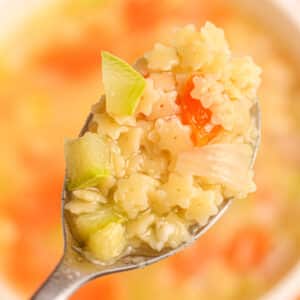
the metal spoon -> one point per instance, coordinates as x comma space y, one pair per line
74, 269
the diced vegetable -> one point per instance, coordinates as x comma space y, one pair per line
87, 160
87, 224
248, 248
226, 164
108, 243
194, 114
123, 85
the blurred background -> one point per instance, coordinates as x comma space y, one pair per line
50, 76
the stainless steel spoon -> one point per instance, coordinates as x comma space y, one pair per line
74, 269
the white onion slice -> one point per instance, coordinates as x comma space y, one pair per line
225, 164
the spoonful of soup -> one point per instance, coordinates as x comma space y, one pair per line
160, 158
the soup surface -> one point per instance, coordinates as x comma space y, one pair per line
50, 76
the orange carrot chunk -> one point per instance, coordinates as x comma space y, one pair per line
194, 114
248, 248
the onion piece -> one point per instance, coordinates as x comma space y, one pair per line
225, 164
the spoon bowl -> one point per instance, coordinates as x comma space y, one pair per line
74, 269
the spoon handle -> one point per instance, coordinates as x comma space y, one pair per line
61, 283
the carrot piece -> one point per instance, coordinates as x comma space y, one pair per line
248, 248
194, 114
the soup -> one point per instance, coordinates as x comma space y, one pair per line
50, 77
